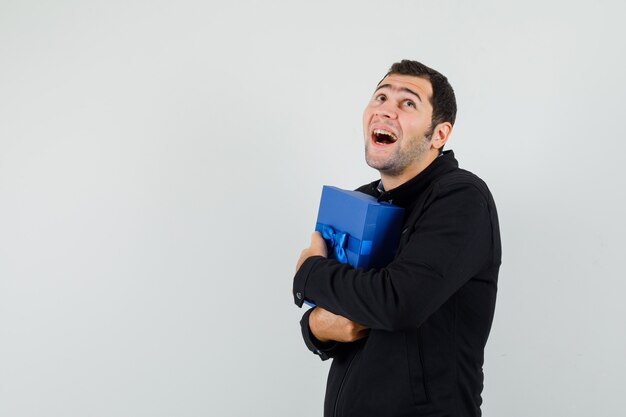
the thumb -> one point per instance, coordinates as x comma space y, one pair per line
318, 243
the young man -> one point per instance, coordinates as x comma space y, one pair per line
408, 339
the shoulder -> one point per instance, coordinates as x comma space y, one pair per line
461, 181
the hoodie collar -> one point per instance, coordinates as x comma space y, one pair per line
404, 195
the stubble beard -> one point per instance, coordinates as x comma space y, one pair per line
395, 164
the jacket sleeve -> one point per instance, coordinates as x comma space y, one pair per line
449, 243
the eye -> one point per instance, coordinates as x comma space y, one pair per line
380, 97
409, 103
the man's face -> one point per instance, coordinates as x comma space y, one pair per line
396, 123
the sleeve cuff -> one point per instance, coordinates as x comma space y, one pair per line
300, 279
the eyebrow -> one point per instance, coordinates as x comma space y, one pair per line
407, 90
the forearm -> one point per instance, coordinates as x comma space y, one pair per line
374, 298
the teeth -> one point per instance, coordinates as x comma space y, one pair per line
386, 133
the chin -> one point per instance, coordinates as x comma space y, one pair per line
381, 166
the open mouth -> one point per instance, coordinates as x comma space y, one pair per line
383, 137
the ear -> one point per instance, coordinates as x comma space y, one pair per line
441, 134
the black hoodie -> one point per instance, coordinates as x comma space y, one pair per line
430, 310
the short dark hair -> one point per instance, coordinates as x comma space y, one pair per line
443, 99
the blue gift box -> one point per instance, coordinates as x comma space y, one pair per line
357, 228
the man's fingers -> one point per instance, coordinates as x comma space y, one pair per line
362, 333
316, 237
318, 244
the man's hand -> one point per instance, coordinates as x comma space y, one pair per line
317, 248
327, 326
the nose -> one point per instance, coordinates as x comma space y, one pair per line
386, 110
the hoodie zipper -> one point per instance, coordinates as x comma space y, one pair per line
343, 380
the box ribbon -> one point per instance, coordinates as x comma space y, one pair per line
341, 241
338, 242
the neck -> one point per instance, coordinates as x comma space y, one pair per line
391, 181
